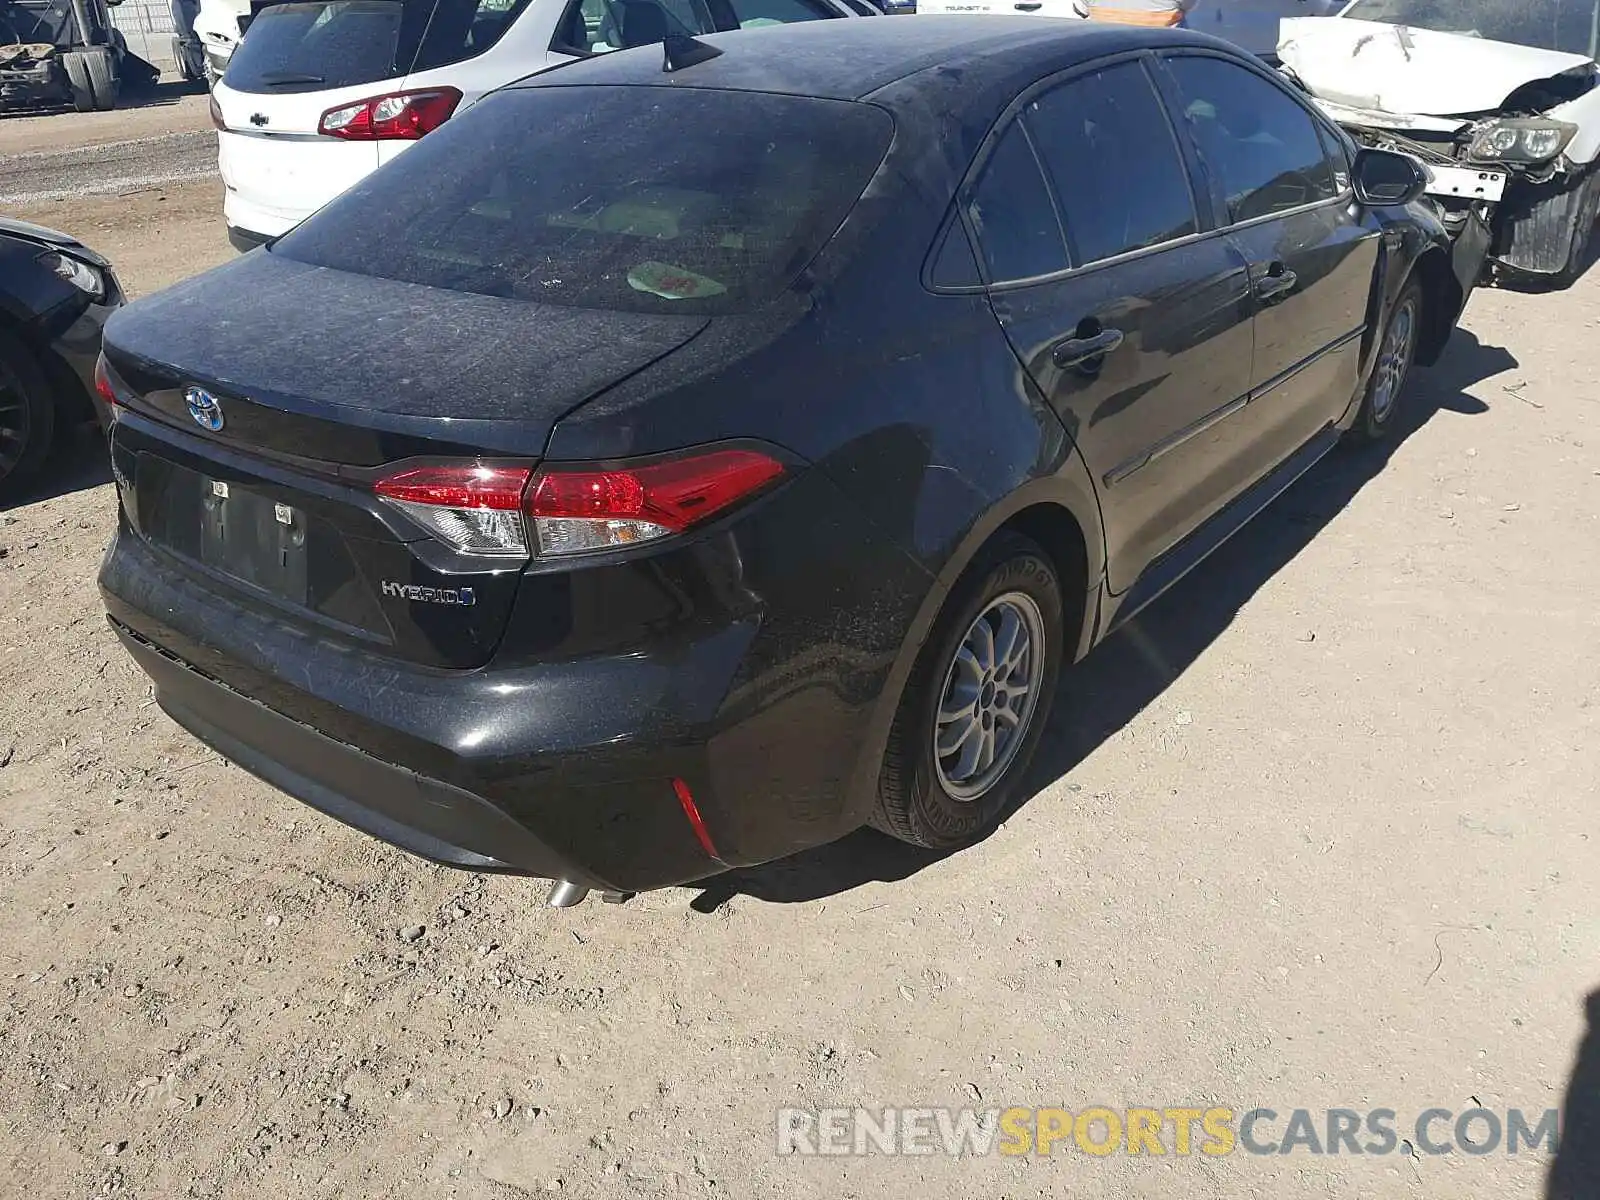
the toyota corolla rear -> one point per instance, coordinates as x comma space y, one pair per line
349, 563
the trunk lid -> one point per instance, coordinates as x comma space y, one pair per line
264, 399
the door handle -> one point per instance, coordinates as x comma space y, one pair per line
1276, 284
1026, 6
1078, 351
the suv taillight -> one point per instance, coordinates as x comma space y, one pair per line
564, 509
399, 116
217, 120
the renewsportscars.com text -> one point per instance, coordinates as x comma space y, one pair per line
1101, 1131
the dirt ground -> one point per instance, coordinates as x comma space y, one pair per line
1320, 830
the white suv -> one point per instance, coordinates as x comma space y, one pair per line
322, 92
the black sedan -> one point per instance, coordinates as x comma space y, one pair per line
672, 465
55, 295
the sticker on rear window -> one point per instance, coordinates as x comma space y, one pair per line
672, 283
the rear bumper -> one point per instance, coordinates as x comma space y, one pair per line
272, 184
257, 222
425, 816
562, 764
246, 240
432, 761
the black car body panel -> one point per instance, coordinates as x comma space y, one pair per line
377, 359
575, 733
919, 405
59, 324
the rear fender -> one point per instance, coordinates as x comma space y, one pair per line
1068, 488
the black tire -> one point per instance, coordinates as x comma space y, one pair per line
27, 417
1386, 389
77, 69
915, 800
105, 82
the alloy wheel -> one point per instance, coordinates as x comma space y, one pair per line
991, 691
1394, 361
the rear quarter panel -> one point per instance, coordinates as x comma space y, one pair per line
910, 403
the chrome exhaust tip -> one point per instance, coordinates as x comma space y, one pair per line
565, 894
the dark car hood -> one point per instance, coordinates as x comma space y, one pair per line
383, 354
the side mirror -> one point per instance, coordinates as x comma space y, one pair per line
1383, 178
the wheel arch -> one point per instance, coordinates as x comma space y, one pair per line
1061, 513
1059, 533
1442, 302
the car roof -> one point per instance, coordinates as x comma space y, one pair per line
851, 59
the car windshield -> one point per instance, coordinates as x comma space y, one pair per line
644, 199
1572, 26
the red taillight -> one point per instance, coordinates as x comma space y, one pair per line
216, 114
399, 116
497, 510
473, 507
469, 485
584, 508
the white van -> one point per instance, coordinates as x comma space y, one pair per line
319, 93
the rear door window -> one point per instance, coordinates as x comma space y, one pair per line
631, 198
1109, 149
1018, 230
328, 44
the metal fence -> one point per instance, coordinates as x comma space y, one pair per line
147, 24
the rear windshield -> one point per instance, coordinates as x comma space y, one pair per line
1572, 26
646, 199
346, 43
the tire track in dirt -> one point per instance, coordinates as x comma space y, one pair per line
109, 169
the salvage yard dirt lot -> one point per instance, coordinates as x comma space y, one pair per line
1320, 830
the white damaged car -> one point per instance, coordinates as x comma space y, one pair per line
1500, 99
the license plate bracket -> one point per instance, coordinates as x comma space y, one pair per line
1468, 183
254, 539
